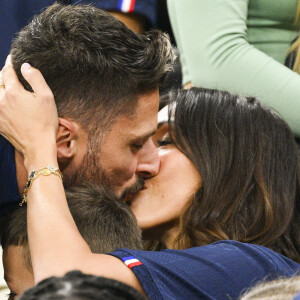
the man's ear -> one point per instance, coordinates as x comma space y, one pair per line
67, 139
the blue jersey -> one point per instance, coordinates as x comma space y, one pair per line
145, 8
9, 193
222, 270
15, 14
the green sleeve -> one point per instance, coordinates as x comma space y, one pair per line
211, 36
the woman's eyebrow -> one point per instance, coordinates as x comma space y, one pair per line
160, 124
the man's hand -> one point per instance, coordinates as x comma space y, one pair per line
27, 120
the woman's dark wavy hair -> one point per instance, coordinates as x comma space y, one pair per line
249, 164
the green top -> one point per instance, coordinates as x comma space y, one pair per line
271, 26
216, 44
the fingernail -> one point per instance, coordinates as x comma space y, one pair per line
25, 67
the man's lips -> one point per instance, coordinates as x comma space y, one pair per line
129, 198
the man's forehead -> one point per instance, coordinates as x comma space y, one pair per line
139, 125
135, 127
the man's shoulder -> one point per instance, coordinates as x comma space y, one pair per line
227, 252
212, 271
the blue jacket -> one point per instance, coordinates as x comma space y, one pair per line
9, 193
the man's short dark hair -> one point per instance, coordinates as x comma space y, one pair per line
78, 286
94, 64
104, 222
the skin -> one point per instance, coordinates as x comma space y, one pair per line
133, 21
126, 151
159, 205
137, 24
16, 273
55, 243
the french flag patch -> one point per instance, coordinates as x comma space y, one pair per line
131, 261
126, 6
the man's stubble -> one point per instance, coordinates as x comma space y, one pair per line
90, 170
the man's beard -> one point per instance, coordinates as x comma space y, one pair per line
91, 171
129, 192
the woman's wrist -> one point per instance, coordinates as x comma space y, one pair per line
40, 156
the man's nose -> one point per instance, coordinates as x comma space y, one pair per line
149, 162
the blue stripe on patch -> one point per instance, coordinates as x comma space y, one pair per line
128, 258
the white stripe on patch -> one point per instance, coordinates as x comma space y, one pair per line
131, 261
126, 5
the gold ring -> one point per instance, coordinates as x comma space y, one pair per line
2, 86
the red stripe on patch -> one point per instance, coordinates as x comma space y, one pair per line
132, 4
138, 263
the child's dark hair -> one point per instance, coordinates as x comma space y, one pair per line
104, 222
76, 285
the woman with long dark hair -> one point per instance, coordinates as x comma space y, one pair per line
229, 174
250, 176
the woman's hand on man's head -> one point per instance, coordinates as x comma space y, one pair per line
28, 120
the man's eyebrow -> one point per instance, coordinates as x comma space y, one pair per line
144, 137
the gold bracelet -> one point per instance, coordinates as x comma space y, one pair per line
50, 169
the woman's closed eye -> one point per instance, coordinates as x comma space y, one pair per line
164, 142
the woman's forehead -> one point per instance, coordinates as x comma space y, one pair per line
163, 115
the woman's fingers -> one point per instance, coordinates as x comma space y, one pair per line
30, 74
35, 79
1, 81
9, 76
26, 119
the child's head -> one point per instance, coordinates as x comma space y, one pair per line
105, 223
77, 286
16, 256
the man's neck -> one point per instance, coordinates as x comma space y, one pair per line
21, 172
